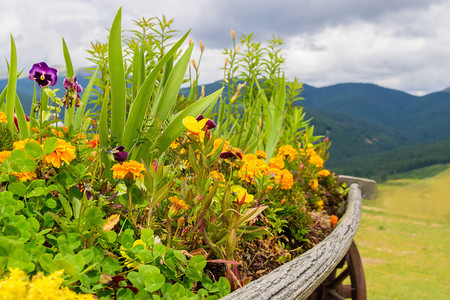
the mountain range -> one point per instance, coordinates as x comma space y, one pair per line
364, 121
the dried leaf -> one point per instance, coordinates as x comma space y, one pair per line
111, 222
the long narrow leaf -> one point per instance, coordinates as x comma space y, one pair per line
164, 104
12, 83
69, 67
3, 97
117, 77
21, 119
84, 100
140, 104
103, 131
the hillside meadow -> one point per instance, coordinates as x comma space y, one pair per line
404, 238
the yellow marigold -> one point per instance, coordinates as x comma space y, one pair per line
261, 154
252, 167
285, 179
314, 184
288, 151
174, 145
24, 176
277, 162
217, 176
324, 173
3, 117
320, 204
242, 196
64, 152
316, 160
20, 145
4, 154
132, 166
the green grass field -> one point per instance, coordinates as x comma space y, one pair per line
404, 239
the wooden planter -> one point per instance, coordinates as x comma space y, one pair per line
313, 274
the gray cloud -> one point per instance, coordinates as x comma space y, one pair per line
401, 44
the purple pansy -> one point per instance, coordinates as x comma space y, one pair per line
72, 90
43, 74
120, 155
209, 124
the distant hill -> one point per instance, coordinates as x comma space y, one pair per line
421, 119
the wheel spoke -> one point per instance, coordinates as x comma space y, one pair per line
338, 280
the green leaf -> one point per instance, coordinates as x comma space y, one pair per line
66, 206
146, 235
159, 250
69, 67
33, 149
195, 267
21, 119
136, 280
50, 145
12, 83
18, 188
151, 277
46, 262
84, 101
141, 102
117, 77
20, 258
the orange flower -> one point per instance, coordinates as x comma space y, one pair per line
64, 152
333, 220
320, 204
314, 184
288, 151
316, 160
252, 167
277, 162
94, 142
177, 204
132, 166
24, 176
324, 173
3, 117
4, 154
261, 154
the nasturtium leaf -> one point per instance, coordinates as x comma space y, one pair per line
50, 203
152, 278
69, 268
110, 236
33, 149
19, 258
18, 188
46, 262
127, 240
158, 250
136, 280
39, 191
88, 255
146, 235
145, 255
50, 145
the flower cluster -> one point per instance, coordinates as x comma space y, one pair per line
17, 285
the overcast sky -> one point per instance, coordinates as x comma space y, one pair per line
400, 44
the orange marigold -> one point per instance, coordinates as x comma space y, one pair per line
316, 160
94, 142
288, 151
252, 167
24, 176
64, 152
177, 204
261, 154
4, 154
314, 184
132, 166
333, 220
285, 179
3, 117
277, 162
324, 173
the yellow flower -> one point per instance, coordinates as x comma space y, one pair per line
133, 167
316, 160
177, 204
277, 162
24, 176
129, 261
242, 196
314, 184
217, 176
194, 126
288, 151
3, 117
320, 204
252, 167
324, 173
64, 152
261, 154
4, 154
283, 178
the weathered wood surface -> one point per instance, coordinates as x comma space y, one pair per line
298, 278
368, 187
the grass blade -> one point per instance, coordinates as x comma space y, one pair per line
84, 100
69, 67
21, 119
12, 83
117, 77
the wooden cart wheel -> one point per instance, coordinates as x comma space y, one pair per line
334, 288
